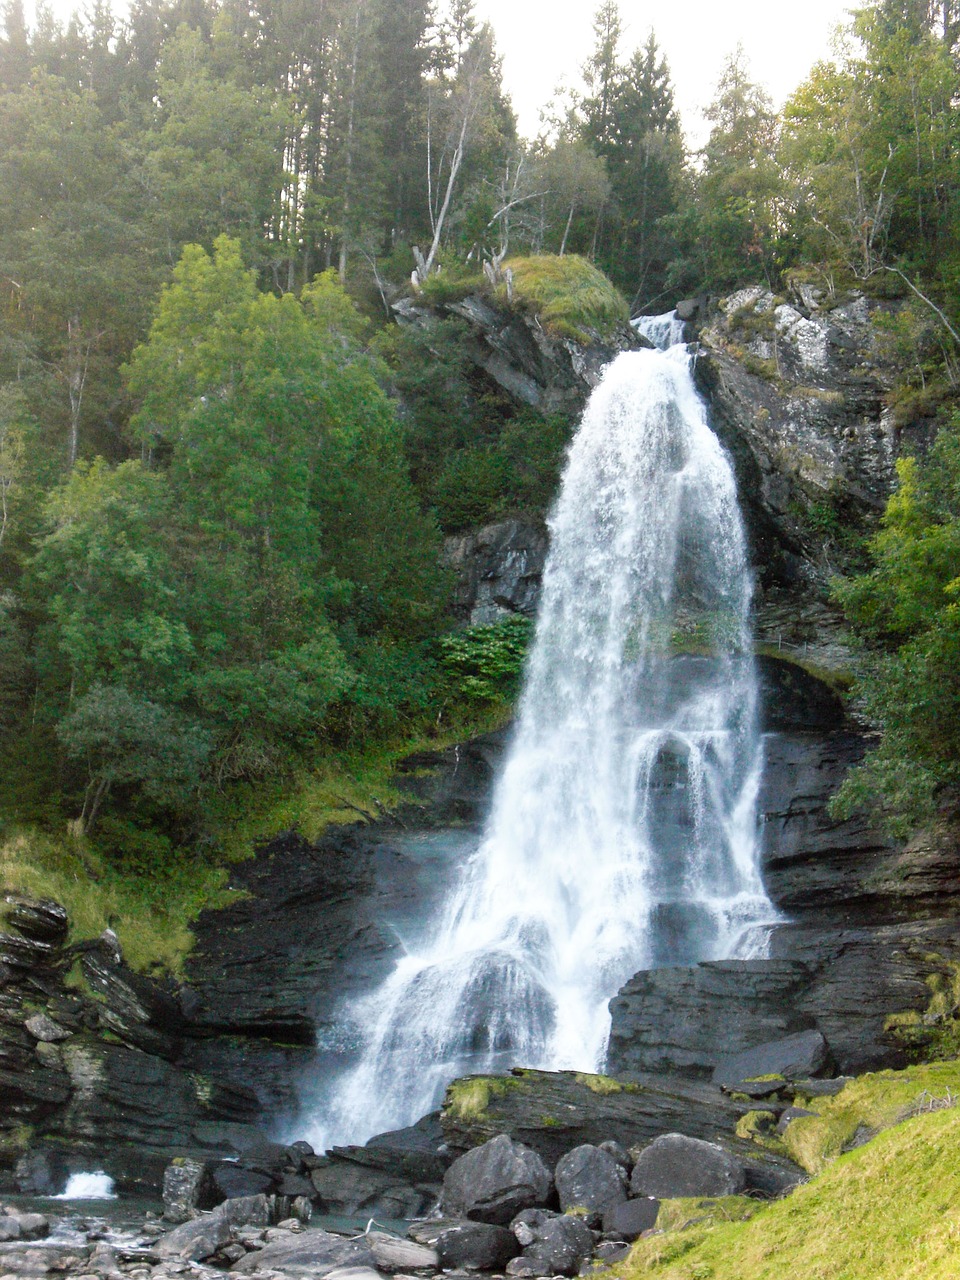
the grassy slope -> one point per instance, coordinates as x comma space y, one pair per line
889, 1210
151, 909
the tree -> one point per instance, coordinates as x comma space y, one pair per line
737, 222
906, 616
125, 740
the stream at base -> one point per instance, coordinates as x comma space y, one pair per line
623, 829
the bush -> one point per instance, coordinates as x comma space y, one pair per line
483, 665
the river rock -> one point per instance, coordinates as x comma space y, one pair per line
311, 1255
476, 1246
588, 1178
495, 1181
558, 1244
187, 1188
674, 1165
792, 1057
197, 1239
232, 1181
630, 1219
392, 1253
347, 1187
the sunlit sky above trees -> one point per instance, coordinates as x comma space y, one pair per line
544, 44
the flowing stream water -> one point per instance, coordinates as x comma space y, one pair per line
623, 831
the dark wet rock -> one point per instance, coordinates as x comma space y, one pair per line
792, 1057
675, 1165
187, 1188
311, 1255
232, 1181
554, 1111
630, 1219
519, 357
40, 919
197, 1239
793, 700
560, 1245
45, 1029
138, 1011
41, 1172
620, 1154
346, 1187
476, 1246
498, 569
788, 1115
402, 1163
493, 1182
588, 1178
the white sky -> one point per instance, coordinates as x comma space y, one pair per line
541, 42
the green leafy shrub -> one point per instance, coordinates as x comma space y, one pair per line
484, 664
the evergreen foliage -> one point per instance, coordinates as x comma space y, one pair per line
907, 616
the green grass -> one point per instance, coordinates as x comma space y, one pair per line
888, 1211
469, 1098
873, 1102
151, 908
150, 913
569, 295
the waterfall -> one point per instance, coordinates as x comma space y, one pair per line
623, 828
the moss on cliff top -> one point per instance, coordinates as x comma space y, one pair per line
569, 295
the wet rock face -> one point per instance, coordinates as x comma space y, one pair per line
498, 570
535, 369
795, 392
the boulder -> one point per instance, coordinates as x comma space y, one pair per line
346, 1187
9, 1229
197, 1239
789, 1114
393, 1253
476, 1246
629, 1220
589, 1178
791, 1057
45, 1029
494, 1182
235, 1180
187, 1188
310, 1255
674, 1165
33, 1226
560, 1244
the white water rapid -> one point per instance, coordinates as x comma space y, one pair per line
623, 832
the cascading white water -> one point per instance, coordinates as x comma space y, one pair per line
623, 829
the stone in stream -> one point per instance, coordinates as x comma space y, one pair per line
202, 1237
674, 1165
494, 1182
187, 1188
311, 1255
589, 1178
557, 1244
476, 1246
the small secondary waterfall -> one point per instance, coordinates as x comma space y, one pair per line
623, 829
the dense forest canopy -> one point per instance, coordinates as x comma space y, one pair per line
218, 534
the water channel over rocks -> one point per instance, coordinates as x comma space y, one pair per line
623, 830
